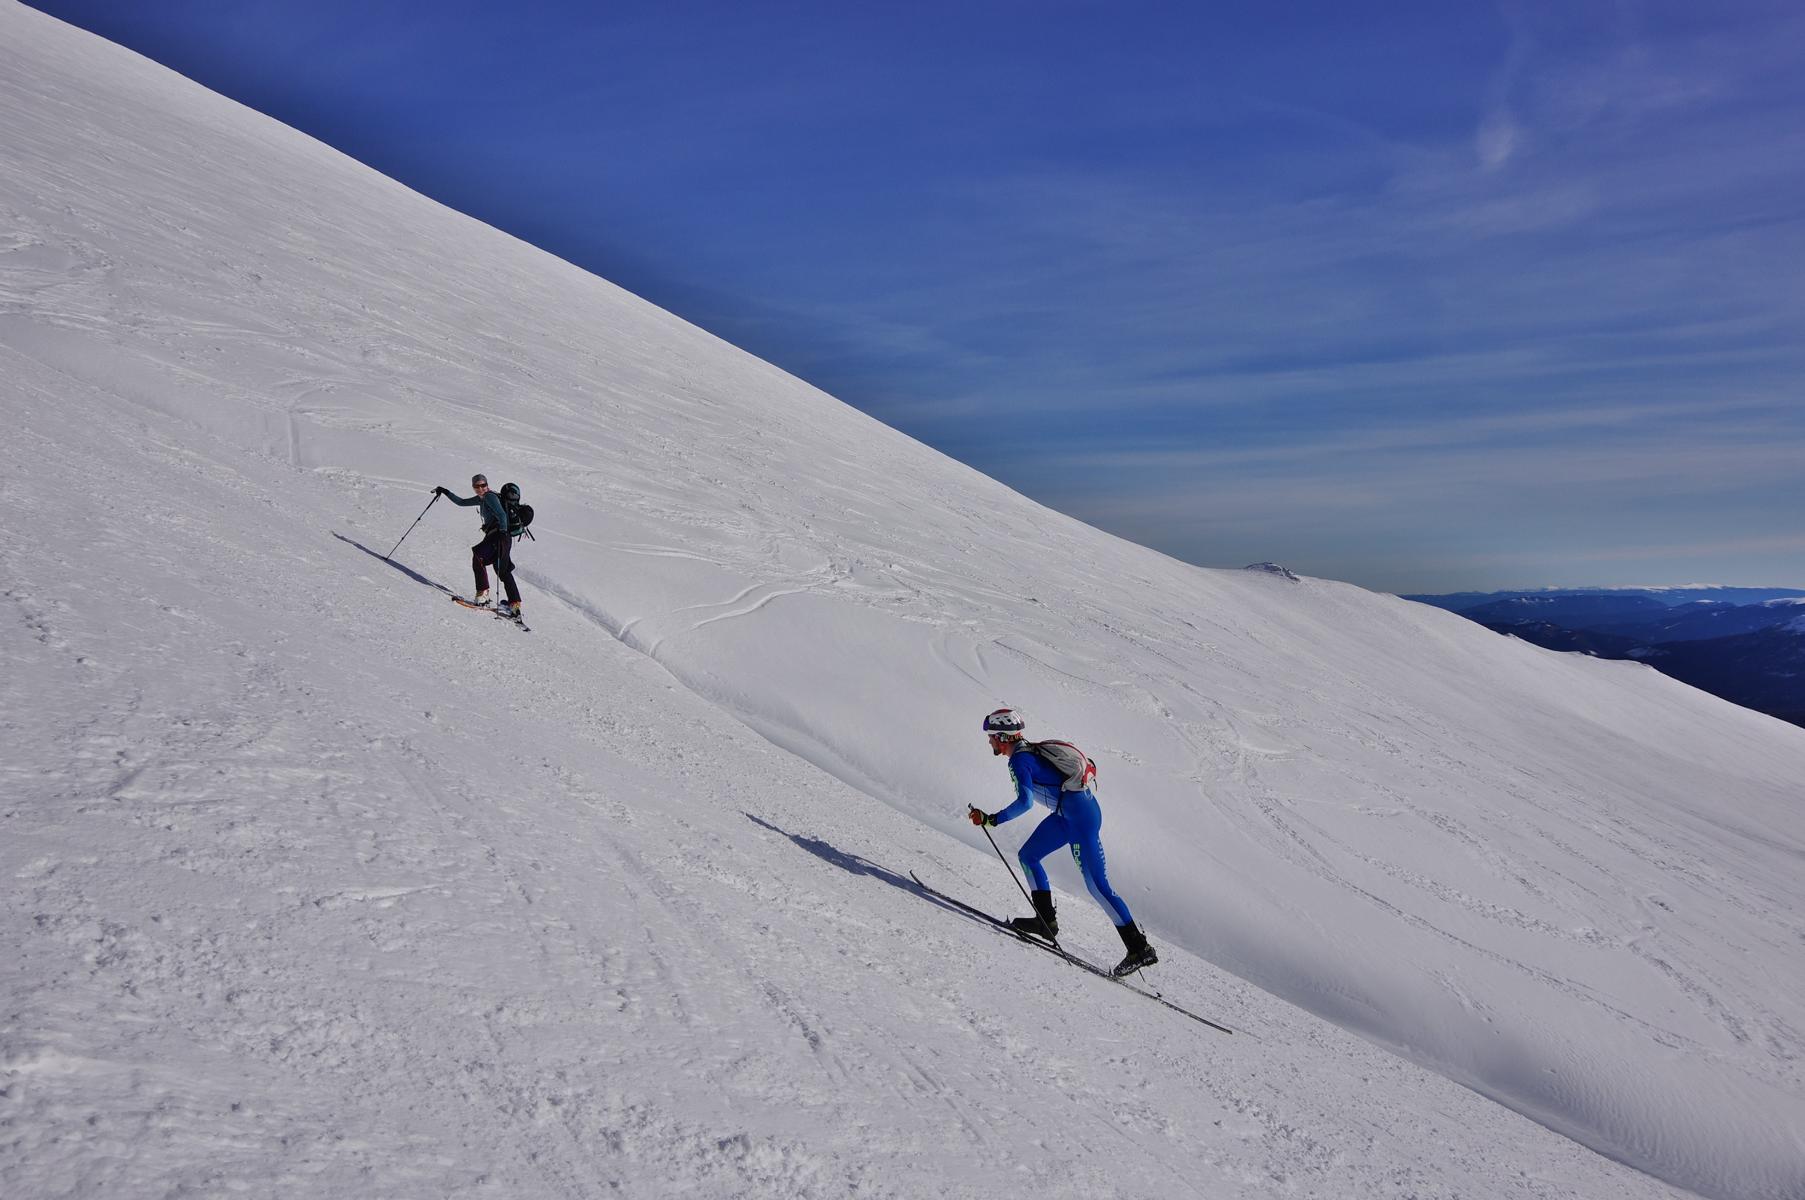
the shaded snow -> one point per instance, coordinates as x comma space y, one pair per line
321, 886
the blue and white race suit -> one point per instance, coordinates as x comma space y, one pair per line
1076, 821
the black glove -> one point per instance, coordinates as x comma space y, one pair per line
439, 491
979, 817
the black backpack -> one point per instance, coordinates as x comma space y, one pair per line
519, 515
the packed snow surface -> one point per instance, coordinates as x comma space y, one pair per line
321, 886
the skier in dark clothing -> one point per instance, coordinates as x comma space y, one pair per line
1076, 821
496, 546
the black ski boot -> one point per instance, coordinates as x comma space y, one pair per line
1140, 954
1043, 924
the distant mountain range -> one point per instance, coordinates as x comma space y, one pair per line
1746, 645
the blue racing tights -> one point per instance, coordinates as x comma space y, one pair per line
1077, 824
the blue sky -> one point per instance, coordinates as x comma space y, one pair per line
1425, 296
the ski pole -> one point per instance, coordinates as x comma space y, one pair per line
410, 528
1008, 868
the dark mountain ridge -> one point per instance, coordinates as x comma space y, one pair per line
1745, 645
1671, 596
1579, 612
1708, 619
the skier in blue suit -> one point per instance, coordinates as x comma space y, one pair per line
1076, 821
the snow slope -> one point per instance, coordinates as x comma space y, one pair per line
318, 885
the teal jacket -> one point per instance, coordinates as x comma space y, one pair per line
494, 515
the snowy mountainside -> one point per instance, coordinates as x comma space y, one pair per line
321, 881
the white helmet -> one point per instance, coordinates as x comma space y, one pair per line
1005, 721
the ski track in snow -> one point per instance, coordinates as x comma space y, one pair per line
316, 888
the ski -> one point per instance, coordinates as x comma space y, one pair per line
494, 612
1060, 952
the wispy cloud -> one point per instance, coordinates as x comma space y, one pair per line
1781, 544
1756, 428
1496, 139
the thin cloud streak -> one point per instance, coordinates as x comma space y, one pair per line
1779, 435
1793, 544
1496, 139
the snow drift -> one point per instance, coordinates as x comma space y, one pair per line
320, 883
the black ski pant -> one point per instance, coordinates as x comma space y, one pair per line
497, 549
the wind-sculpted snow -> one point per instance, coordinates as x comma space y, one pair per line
319, 885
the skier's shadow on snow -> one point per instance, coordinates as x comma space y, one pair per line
859, 866
411, 574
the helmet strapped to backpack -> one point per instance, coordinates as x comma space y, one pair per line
519, 515
1005, 721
